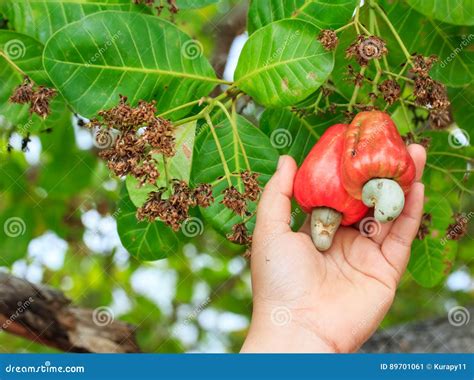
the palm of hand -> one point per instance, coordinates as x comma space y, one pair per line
340, 295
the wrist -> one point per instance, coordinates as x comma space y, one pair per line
279, 329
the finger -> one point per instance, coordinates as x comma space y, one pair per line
306, 227
418, 153
396, 246
274, 208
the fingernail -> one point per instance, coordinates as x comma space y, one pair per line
281, 160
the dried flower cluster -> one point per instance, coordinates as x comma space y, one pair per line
172, 6
409, 138
424, 226
328, 39
366, 48
240, 234
390, 90
37, 96
429, 92
458, 229
132, 152
175, 209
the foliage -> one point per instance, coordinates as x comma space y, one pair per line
93, 51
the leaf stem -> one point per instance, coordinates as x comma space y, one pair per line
15, 66
455, 180
356, 91
382, 14
219, 148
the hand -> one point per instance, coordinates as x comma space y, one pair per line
308, 301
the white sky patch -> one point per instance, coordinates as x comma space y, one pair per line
460, 281
121, 304
101, 234
233, 57
82, 134
32, 273
157, 284
48, 250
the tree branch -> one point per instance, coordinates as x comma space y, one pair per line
44, 315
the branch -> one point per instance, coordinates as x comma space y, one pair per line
44, 315
433, 335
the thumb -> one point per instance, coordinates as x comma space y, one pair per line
274, 208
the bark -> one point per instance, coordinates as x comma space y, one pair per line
46, 316
434, 336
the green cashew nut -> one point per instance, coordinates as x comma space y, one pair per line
386, 196
324, 224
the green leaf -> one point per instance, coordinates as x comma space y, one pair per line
192, 4
41, 18
324, 14
179, 166
427, 36
292, 134
16, 230
283, 63
24, 52
207, 166
462, 106
144, 241
457, 12
103, 55
431, 258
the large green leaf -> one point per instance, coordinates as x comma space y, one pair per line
24, 52
431, 258
458, 12
427, 36
41, 18
292, 134
324, 14
191, 4
143, 240
179, 166
207, 166
109, 53
283, 63
462, 106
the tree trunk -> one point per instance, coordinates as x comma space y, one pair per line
46, 316
432, 335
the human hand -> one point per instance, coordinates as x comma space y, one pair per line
308, 301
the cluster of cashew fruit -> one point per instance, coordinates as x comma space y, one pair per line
351, 168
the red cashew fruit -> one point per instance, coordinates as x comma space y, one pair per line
318, 189
376, 166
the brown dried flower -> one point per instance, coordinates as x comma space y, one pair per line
250, 181
239, 234
390, 90
203, 195
422, 65
159, 135
365, 49
430, 93
40, 101
440, 118
458, 229
234, 200
23, 93
424, 226
146, 172
328, 39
